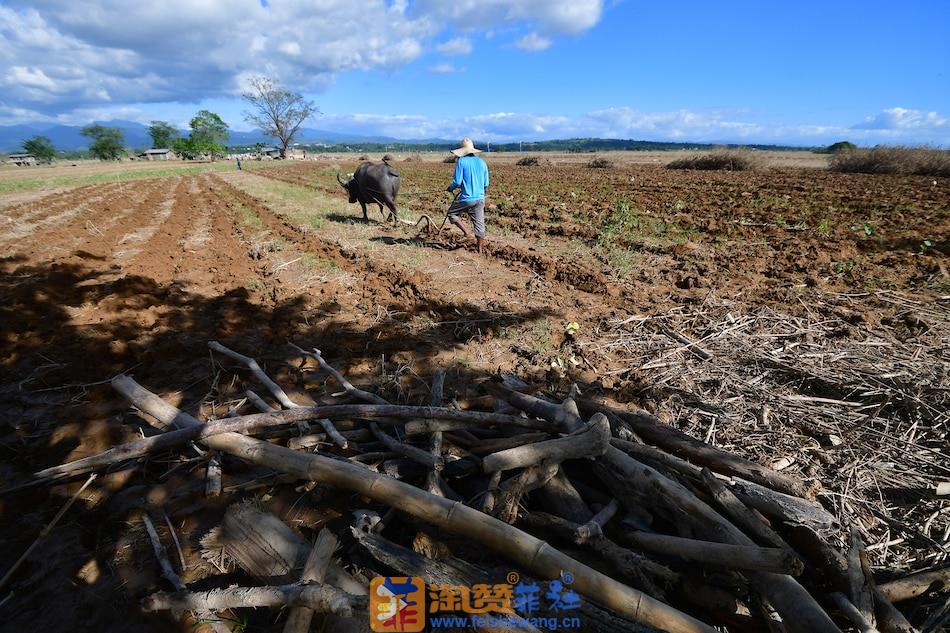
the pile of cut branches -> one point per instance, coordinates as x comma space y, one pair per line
647, 527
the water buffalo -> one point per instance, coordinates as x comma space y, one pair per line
373, 183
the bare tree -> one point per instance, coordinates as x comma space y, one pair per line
276, 110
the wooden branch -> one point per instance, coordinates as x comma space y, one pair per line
592, 442
916, 585
798, 608
348, 387
258, 402
45, 531
562, 498
213, 477
511, 491
833, 565
655, 432
739, 513
247, 423
264, 379
645, 573
488, 502
502, 420
852, 612
454, 571
162, 555
319, 598
434, 483
333, 433
533, 554
418, 455
494, 445
594, 527
770, 559
859, 584
314, 570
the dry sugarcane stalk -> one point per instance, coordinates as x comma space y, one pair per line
535, 555
418, 455
771, 559
592, 442
46, 530
213, 477
594, 527
454, 571
790, 599
852, 612
858, 581
314, 570
916, 585
251, 364
653, 431
171, 531
243, 424
319, 598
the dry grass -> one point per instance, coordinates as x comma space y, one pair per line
532, 161
600, 163
919, 161
720, 160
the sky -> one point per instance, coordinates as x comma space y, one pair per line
800, 73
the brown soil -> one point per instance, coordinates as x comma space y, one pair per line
138, 276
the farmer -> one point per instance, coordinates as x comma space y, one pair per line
471, 176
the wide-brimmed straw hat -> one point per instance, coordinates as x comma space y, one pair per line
467, 148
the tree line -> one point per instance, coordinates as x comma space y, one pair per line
276, 110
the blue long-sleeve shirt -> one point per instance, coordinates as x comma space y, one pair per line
471, 174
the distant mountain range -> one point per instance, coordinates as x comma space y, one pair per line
68, 137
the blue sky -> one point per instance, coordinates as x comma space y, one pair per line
800, 73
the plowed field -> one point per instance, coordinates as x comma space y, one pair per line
138, 276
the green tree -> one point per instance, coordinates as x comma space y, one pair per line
107, 142
162, 133
41, 148
276, 110
208, 134
840, 146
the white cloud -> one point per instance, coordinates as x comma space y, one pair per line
457, 46
551, 17
627, 123
444, 69
904, 119
533, 42
62, 55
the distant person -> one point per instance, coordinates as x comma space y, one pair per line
239, 163
471, 176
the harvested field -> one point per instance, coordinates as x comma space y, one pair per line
795, 317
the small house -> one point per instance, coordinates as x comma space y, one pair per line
270, 152
159, 154
22, 159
